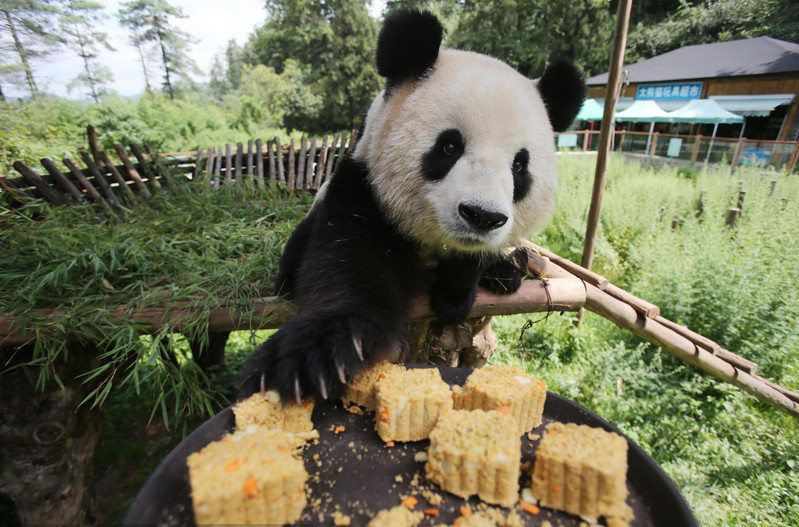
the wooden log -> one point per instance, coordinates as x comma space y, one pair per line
309, 165
353, 141
333, 157
218, 169
94, 144
62, 181
116, 175
94, 170
626, 317
739, 147
292, 177
228, 165
541, 263
146, 170
197, 173
556, 294
794, 158
741, 197
733, 213
700, 204
575, 269
20, 195
209, 166
134, 174
41, 185
300, 182
270, 152
238, 170
320, 165
787, 393
90, 189
259, 163
250, 159
642, 306
281, 173
541, 266
342, 150
696, 338
695, 151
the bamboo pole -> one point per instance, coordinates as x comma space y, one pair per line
557, 294
606, 130
625, 317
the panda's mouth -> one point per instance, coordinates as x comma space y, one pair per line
472, 241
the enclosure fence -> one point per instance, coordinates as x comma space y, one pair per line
692, 150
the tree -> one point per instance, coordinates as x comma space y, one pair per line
296, 29
348, 80
713, 21
234, 55
333, 43
150, 21
27, 34
528, 34
78, 20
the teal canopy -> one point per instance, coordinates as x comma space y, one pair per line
703, 111
590, 111
643, 111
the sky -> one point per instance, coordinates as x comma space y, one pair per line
211, 22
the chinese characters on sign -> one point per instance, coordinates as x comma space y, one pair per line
681, 90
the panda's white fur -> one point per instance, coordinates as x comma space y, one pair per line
499, 112
456, 161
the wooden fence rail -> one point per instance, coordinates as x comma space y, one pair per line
781, 156
113, 184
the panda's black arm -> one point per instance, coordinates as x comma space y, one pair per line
457, 278
293, 256
455, 287
353, 287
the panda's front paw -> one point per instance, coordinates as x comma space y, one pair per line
452, 304
310, 355
506, 275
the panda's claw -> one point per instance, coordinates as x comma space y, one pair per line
263, 383
342, 376
322, 387
358, 345
297, 391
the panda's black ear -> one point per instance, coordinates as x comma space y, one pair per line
563, 90
408, 45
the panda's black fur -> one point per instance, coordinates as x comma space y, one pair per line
353, 274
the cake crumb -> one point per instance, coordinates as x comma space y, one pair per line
340, 520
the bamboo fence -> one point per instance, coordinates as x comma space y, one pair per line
114, 181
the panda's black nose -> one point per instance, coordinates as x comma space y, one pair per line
482, 219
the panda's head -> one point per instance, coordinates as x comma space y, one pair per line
460, 146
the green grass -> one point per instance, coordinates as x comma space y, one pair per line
186, 244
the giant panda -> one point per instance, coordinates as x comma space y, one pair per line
455, 161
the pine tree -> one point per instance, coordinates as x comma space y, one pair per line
77, 26
26, 34
150, 21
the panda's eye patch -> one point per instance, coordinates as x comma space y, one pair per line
522, 180
443, 155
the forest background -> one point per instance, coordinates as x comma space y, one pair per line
309, 66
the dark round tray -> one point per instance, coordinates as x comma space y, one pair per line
353, 472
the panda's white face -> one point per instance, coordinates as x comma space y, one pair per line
463, 158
